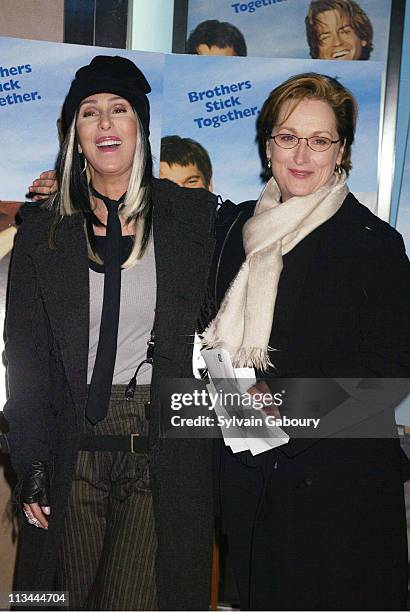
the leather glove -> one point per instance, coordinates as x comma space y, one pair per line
36, 485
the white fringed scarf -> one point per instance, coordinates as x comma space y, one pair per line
244, 321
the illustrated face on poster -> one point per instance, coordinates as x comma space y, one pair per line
185, 162
335, 36
320, 29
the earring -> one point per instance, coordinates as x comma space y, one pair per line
269, 163
85, 165
338, 169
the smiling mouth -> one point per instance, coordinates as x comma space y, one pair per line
300, 173
341, 54
108, 145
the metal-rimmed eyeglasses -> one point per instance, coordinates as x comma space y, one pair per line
316, 143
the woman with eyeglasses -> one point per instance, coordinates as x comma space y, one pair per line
114, 515
319, 288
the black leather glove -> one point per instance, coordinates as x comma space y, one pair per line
36, 485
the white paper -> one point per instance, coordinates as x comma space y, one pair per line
230, 379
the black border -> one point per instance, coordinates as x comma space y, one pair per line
79, 18
387, 152
179, 32
102, 23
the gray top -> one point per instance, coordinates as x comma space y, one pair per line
138, 295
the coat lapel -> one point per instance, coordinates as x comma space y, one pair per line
64, 280
184, 243
296, 266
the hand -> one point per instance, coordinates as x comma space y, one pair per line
35, 494
44, 186
262, 390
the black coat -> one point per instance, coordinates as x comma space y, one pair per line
320, 524
47, 330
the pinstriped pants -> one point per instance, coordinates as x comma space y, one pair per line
107, 557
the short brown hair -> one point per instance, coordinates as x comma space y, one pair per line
216, 33
359, 22
313, 86
185, 151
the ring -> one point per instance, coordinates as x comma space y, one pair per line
31, 519
29, 515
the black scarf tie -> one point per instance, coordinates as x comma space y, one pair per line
101, 380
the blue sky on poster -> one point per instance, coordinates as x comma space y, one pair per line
278, 30
29, 134
28, 129
232, 146
403, 218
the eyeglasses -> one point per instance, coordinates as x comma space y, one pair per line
316, 143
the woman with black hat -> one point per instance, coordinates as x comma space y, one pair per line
112, 511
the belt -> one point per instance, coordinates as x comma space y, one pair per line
132, 443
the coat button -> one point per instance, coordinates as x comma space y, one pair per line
308, 482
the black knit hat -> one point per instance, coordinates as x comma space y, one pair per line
108, 74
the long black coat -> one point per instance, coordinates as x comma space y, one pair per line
47, 331
321, 524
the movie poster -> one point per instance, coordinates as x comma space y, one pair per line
214, 101
403, 217
342, 30
217, 105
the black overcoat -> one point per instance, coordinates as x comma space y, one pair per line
320, 524
47, 331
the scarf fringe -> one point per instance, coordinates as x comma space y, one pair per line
245, 357
252, 357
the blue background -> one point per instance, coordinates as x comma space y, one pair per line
28, 130
278, 30
232, 146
